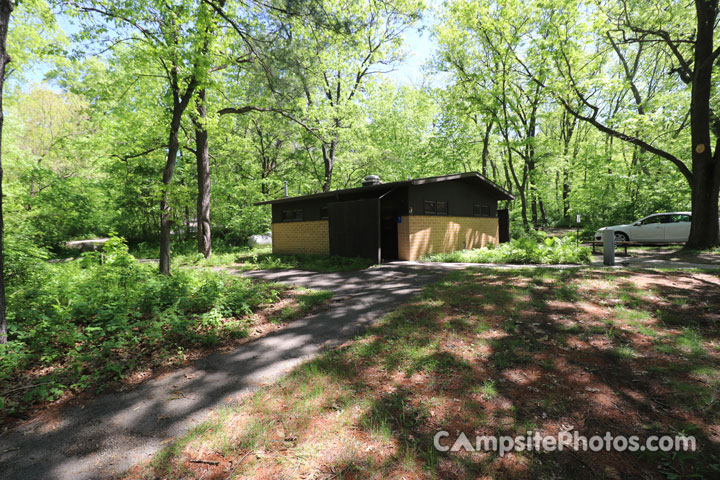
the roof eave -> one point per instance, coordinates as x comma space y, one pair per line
502, 193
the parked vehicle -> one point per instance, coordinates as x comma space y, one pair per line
657, 228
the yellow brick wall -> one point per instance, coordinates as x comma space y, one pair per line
404, 238
301, 237
423, 234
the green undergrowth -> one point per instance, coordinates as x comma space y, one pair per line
84, 323
264, 259
185, 254
523, 251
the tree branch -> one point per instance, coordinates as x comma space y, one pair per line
252, 108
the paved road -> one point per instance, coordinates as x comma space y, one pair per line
107, 435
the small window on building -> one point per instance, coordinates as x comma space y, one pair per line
434, 207
292, 215
430, 207
324, 212
481, 210
442, 208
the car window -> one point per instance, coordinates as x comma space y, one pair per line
651, 220
666, 218
680, 218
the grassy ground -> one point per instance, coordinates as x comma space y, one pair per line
264, 259
488, 352
675, 254
246, 258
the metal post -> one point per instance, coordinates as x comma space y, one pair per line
379, 231
577, 233
608, 247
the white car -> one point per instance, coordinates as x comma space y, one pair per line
657, 228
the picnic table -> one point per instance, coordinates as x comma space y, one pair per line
626, 244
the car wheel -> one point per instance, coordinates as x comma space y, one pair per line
621, 237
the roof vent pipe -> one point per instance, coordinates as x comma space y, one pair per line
371, 180
286, 189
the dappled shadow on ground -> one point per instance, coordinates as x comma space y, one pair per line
104, 437
664, 257
490, 352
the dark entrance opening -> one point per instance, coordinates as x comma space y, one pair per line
389, 234
504, 225
392, 206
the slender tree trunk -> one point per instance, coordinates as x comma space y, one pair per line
530, 157
521, 190
202, 153
165, 211
706, 166
566, 195
523, 210
328, 152
534, 208
6, 8
543, 213
569, 123
486, 147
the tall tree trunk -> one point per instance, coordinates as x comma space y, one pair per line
202, 154
530, 156
706, 166
520, 189
543, 213
486, 147
165, 211
328, 152
569, 123
6, 8
534, 207
566, 195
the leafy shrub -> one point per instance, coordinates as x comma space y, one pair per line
90, 321
523, 250
22, 255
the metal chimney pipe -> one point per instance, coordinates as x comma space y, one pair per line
286, 188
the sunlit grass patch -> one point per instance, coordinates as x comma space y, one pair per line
625, 352
624, 313
642, 329
665, 348
305, 301
690, 341
482, 326
708, 375
488, 389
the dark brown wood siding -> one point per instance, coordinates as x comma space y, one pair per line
460, 198
311, 209
353, 228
